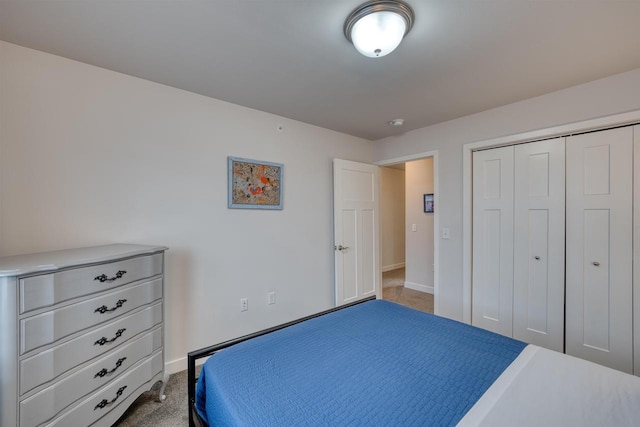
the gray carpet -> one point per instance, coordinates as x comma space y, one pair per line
146, 411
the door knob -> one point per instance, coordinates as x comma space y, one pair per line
537, 257
596, 263
341, 248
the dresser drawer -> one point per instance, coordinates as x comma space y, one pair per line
94, 407
57, 360
48, 327
47, 403
48, 289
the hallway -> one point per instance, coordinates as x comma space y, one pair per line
393, 290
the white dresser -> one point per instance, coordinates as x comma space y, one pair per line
81, 334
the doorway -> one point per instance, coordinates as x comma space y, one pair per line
407, 218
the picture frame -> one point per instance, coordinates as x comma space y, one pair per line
428, 203
254, 184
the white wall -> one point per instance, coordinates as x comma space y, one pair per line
419, 259
392, 239
89, 156
612, 95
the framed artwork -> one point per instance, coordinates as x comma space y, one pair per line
254, 184
428, 203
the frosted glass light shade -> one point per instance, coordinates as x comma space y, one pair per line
377, 27
378, 34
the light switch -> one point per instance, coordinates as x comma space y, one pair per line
414, 227
445, 233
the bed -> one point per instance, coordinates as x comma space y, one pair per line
378, 363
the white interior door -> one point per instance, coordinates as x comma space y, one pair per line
538, 282
356, 230
599, 247
492, 276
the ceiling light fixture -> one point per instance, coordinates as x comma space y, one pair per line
397, 122
377, 27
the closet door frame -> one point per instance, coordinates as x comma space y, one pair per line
623, 119
636, 245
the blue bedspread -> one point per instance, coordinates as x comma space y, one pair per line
374, 364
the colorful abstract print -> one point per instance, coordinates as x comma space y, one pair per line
255, 184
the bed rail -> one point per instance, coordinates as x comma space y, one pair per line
194, 418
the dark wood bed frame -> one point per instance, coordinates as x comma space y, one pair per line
194, 418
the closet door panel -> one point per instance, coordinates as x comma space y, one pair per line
538, 300
492, 304
596, 284
599, 248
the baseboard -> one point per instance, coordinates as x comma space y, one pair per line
392, 267
418, 287
180, 364
177, 365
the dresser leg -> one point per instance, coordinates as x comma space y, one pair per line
161, 395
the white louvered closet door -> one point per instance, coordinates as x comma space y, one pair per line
599, 247
492, 302
538, 259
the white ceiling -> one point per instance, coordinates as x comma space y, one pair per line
289, 57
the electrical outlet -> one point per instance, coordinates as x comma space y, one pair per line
244, 304
272, 298
414, 227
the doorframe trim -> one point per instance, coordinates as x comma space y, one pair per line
436, 216
599, 123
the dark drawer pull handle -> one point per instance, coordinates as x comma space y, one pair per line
103, 340
104, 371
105, 402
104, 308
104, 278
